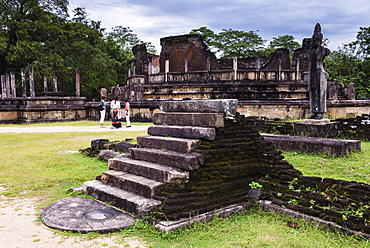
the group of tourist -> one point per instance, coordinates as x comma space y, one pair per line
116, 113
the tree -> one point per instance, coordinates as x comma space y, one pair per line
284, 41
37, 32
232, 43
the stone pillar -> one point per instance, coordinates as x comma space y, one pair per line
13, 90
166, 66
55, 83
7, 85
297, 77
150, 67
134, 62
3, 86
258, 62
208, 64
45, 84
78, 82
235, 68
186, 69
23, 81
279, 55
351, 93
129, 68
32, 82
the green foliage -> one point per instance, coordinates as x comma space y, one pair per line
255, 185
284, 41
231, 43
39, 33
346, 67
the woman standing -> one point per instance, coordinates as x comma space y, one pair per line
102, 108
116, 115
127, 112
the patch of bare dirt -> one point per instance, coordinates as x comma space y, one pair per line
20, 227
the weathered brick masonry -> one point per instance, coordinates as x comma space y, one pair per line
234, 159
239, 156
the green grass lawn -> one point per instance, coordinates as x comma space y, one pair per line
47, 166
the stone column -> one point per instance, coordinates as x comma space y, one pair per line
3, 86
166, 66
186, 69
150, 67
78, 82
13, 90
55, 83
7, 85
279, 55
45, 84
351, 93
297, 77
235, 68
258, 62
208, 64
32, 82
129, 68
23, 81
134, 70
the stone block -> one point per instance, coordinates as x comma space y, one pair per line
208, 133
130, 182
333, 147
186, 161
226, 106
149, 170
174, 144
120, 198
190, 119
168, 226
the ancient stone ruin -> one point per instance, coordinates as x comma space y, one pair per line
273, 87
50, 105
201, 156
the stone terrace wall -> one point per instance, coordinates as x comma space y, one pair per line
351, 128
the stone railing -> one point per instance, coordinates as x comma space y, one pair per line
224, 75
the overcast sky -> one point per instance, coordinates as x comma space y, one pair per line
151, 20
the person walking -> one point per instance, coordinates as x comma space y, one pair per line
127, 112
116, 116
102, 109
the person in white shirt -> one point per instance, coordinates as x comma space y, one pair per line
116, 113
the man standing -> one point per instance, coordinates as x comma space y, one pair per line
127, 112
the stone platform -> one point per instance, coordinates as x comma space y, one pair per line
332, 147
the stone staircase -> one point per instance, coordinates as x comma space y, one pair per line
164, 157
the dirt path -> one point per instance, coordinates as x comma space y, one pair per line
55, 129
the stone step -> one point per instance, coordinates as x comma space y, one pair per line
189, 132
186, 161
190, 119
226, 106
133, 183
134, 203
149, 170
169, 143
